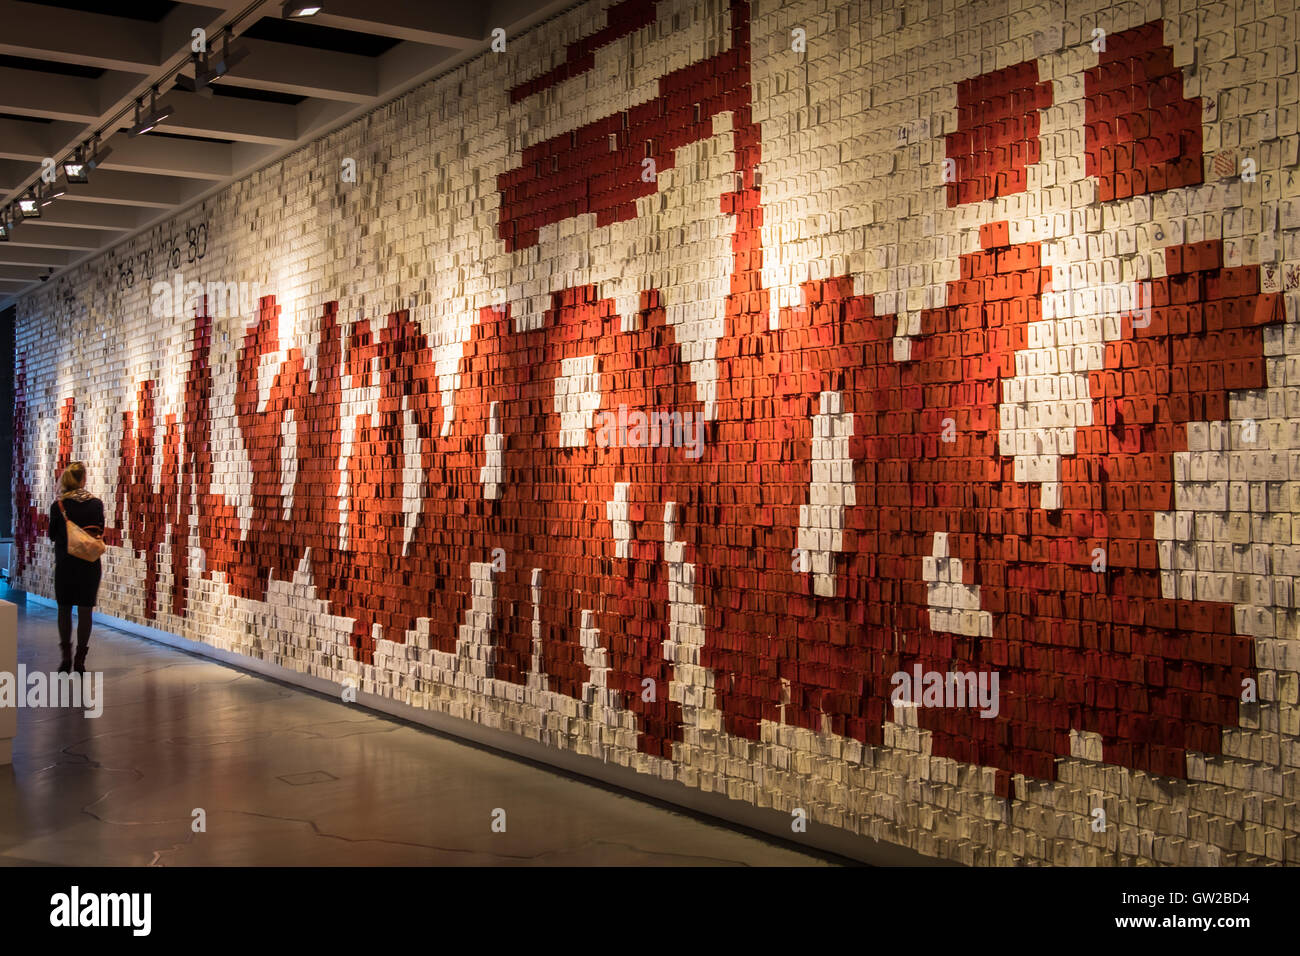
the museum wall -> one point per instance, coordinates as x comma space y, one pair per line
881, 413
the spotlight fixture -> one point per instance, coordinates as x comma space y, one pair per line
198, 83
96, 152
4, 227
297, 11
28, 207
229, 58
209, 68
74, 168
147, 120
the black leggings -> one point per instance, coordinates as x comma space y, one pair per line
85, 620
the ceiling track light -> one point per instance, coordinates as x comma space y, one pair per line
5, 225
210, 67
230, 56
28, 206
147, 120
96, 153
198, 83
299, 11
75, 169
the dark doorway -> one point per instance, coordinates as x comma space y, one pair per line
7, 317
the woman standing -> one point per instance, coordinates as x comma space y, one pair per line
76, 581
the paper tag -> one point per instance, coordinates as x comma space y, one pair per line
1292, 276
1270, 279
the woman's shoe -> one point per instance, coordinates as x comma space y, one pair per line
65, 665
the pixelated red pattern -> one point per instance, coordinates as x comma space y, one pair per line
547, 518
1075, 649
143, 510
621, 19
1141, 135
30, 521
1099, 652
598, 168
997, 133
67, 418
379, 582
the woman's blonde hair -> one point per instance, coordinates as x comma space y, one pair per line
72, 479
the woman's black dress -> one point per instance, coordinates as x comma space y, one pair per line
76, 582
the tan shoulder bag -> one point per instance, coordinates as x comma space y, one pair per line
81, 544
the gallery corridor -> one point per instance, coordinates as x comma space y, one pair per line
286, 777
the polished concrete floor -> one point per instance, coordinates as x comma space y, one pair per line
286, 777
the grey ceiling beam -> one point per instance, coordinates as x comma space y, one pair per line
111, 187
12, 255
315, 115
407, 61
137, 54
247, 121
302, 71
33, 141
71, 36
53, 96
159, 174
246, 156
82, 215
188, 159
457, 25
13, 172
21, 273
31, 233
516, 16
